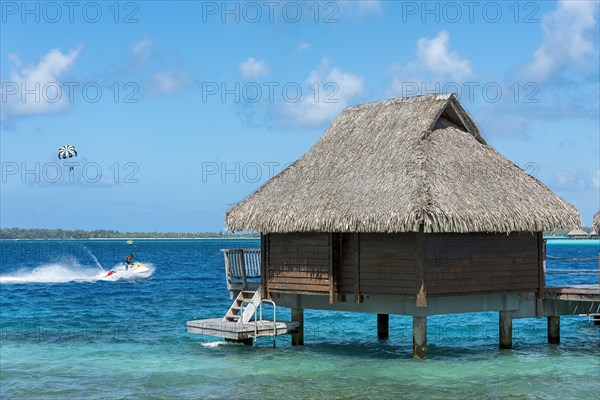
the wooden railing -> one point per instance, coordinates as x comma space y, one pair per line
242, 268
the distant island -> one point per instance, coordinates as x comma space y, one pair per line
21, 233
32, 233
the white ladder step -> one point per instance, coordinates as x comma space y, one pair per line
247, 300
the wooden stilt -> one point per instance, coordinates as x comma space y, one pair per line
420, 268
298, 337
505, 326
383, 326
419, 337
554, 330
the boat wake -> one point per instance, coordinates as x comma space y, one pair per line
62, 273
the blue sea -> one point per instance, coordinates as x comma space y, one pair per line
67, 334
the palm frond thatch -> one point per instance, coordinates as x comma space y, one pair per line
596, 222
393, 165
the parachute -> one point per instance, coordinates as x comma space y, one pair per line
67, 151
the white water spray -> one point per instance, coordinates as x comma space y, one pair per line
72, 272
51, 273
94, 258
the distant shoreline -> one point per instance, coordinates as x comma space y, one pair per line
243, 238
106, 234
146, 238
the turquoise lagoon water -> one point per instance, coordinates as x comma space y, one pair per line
67, 334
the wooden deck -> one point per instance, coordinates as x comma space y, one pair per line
573, 293
241, 332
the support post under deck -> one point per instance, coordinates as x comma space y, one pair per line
419, 337
298, 337
554, 330
505, 329
383, 326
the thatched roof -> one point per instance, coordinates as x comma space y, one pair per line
393, 165
577, 232
596, 222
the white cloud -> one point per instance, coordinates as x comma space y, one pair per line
141, 55
12, 57
159, 75
44, 79
435, 55
141, 46
167, 81
575, 180
368, 5
303, 46
360, 8
252, 69
435, 65
328, 91
569, 37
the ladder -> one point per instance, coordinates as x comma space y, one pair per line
247, 302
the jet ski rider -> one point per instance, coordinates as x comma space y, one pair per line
128, 261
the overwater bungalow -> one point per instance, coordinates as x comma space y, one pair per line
578, 234
402, 207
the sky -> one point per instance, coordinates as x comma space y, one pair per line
180, 109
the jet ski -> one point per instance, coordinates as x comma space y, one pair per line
136, 268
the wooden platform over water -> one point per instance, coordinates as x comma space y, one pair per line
486, 289
573, 293
241, 332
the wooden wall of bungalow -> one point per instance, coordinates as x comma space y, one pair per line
409, 264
